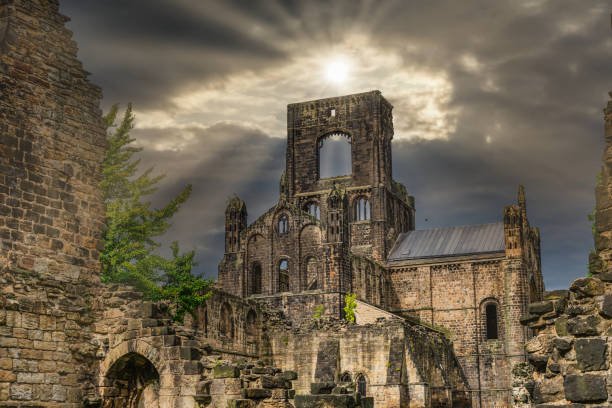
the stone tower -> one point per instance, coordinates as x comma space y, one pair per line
366, 122
52, 141
338, 200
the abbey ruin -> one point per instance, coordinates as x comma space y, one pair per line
446, 317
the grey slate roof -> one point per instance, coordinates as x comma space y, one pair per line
449, 241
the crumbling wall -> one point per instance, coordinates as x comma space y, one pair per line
572, 350
403, 364
52, 141
601, 261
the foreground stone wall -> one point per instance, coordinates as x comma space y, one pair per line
572, 352
52, 141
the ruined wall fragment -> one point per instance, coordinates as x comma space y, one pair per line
52, 142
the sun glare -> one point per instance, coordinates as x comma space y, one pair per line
337, 71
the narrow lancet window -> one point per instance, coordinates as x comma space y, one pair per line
491, 316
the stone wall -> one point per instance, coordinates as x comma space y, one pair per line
52, 141
402, 364
453, 296
572, 351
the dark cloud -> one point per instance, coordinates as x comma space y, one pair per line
518, 88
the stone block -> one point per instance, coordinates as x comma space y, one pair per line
225, 371
267, 381
322, 388
539, 308
548, 390
256, 393
585, 388
584, 326
21, 392
606, 306
587, 287
591, 354
563, 344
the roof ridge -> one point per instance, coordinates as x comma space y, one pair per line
455, 226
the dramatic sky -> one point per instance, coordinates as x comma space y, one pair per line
487, 95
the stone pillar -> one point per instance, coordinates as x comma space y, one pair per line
603, 197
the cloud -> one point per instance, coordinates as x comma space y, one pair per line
219, 161
486, 95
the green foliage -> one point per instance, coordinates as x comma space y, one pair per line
318, 312
130, 249
350, 304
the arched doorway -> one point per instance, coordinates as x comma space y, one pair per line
133, 382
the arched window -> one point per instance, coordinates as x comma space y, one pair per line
255, 278
226, 321
312, 208
283, 276
346, 377
491, 321
283, 224
335, 155
362, 209
362, 385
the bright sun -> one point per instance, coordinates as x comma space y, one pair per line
337, 71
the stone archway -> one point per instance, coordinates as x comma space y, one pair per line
132, 381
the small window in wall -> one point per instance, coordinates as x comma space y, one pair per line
335, 156
283, 276
362, 209
313, 210
362, 385
491, 317
255, 278
283, 224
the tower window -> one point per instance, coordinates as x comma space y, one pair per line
313, 210
283, 276
362, 209
335, 155
491, 321
283, 224
332, 113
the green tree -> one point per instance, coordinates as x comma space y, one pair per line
130, 253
